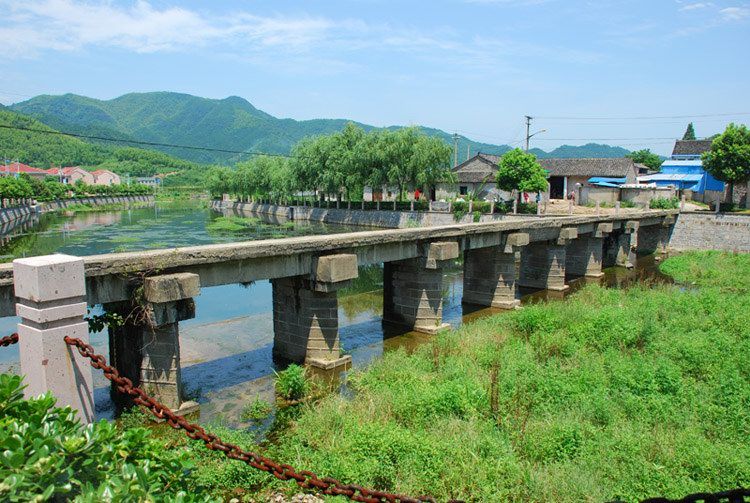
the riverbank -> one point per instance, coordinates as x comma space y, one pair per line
103, 203
383, 218
613, 394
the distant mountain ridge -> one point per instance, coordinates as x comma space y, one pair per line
231, 123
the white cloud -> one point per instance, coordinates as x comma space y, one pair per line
734, 13
73, 25
697, 5
292, 44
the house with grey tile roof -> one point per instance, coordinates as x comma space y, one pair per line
690, 149
477, 174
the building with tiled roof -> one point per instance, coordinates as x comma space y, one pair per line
13, 168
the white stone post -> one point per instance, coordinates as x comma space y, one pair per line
617, 207
682, 203
598, 208
515, 206
51, 301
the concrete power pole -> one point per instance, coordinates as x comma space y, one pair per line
455, 149
528, 131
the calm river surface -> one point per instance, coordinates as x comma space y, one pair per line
226, 350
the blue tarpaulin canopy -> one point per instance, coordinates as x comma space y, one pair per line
605, 181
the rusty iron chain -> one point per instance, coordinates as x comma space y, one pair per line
305, 479
739, 495
9, 339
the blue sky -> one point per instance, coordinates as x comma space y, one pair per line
472, 66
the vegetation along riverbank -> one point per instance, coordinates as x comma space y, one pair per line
611, 394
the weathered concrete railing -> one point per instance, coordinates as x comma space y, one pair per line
154, 290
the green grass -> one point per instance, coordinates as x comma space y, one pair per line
232, 224
611, 394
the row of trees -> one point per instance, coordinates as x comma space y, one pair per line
26, 187
341, 165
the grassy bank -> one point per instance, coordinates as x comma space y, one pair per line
611, 394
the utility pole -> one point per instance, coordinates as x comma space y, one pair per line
468, 151
528, 131
455, 149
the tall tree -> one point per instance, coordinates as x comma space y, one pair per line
646, 157
520, 172
689, 133
729, 157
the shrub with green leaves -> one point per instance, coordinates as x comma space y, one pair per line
664, 203
292, 383
48, 455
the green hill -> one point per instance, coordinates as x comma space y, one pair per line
42, 149
231, 123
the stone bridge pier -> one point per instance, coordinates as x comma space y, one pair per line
490, 273
305, 313
584, 256
146, 347
543, 263
413, 288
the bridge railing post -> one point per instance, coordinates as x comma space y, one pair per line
51, 301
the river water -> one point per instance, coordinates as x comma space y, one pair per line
226, 350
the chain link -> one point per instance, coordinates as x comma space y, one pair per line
304, 479
732, 496
9, 339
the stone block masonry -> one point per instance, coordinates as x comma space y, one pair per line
305, 323
702, 231
413, 295
583, 257
146, 349
543, 266
490, 273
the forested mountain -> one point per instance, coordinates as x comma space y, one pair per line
23, 141
230, 124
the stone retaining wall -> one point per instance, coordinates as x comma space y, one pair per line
371, 218
8, 215
709, 231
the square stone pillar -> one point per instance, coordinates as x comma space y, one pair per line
583, 257
490, 274
305, 313
626, 244
51, 301
146, 348
543, 263
413, 289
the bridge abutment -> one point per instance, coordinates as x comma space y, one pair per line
490, 274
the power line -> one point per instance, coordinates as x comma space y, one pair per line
646, 117
139, 142
607, 139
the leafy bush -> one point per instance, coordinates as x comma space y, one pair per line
256, 410
291, 383
49, 455
664, 203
